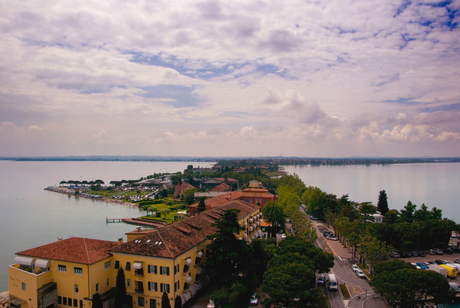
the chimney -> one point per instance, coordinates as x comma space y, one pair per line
120, 241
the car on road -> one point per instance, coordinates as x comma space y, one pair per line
355, 267
254, 301
454, 287
210, 304
457, 260
449, 251
421, 253
283, 236
331, 238
439, 262
394, 254
360, 274
321, 280
431, 251
414, 253
439, 252
422, 265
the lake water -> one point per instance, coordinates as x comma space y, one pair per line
435, 184
31, 216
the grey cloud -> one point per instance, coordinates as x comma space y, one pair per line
280, 41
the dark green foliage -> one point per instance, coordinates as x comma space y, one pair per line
201, 205
165, 301
407, 286
178, 302
274, 214
382, 204
120, 292
97, 301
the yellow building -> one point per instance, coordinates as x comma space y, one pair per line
67, 273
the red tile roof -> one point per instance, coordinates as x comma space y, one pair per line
256, 192
183, 235
74, 249
221, 187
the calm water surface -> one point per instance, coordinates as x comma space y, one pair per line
31, 216
435, 184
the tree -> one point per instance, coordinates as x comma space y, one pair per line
366, 209
189, 195
120, 290
165, 301
230, 259
407, 213
201, 206
97, 301
382, 204
274, 214
178, 302
391, 217
408, 287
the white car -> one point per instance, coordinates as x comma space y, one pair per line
360, 274
253, 301
355, 267
283, 236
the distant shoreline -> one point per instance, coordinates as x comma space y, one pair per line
278, 160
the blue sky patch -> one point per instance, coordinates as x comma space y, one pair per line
451, 107
177, 96
404, 101
209, 71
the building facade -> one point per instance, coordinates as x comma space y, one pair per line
168, 260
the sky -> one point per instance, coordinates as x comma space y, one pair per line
318, 78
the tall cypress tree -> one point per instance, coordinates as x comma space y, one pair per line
120, 292
97, 300
165, 301
178, 302
382, 204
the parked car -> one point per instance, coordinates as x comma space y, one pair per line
422, 265
431, 251
283, 236
394, 254
331, 238
360, 274
416, 266
438, 261
321, 280
439, 252
355, 267
211, 304
457, 260
414, 253
254, 301
421, 253
403, 254
449, 251
454, 287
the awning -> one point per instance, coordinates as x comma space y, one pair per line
28, 261
42, 263
193, 289
198, 271
16, 301
188, 279
138, 265
199, 254
185, 296
188, 262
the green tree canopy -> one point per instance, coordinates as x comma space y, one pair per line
120, 289
382, 204
97, 301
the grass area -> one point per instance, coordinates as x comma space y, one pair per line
344, 289
169, 217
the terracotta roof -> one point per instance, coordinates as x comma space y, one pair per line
74, 249
229, 180
181, 188
183, 235
216, 201
221, 187
256, 192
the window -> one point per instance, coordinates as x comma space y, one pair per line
97, 288
76, 288
128, 283
23, 286
177, 285
62, 268
128, 266
75, 302
153, 286
78, 271
164, 287
107, 264
140, 301
153, 303
117, 264
69, 302
164, 270
152, 269
81, 304
108, 282
59, 300
64, 301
